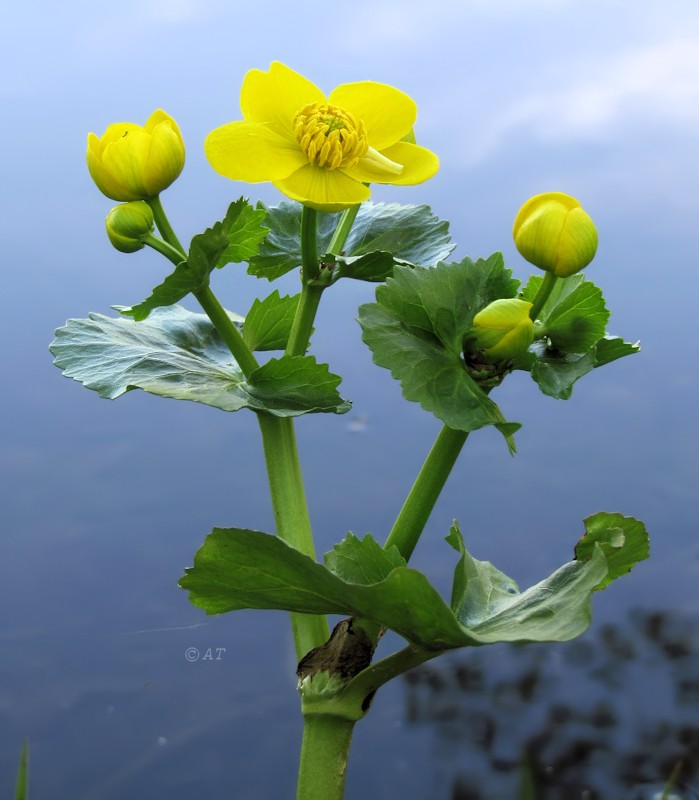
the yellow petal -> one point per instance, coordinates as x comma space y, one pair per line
387, 113
323, 189
159, 116
125, 160
274, 97
165, 158
104, 181
419, 164
251, 151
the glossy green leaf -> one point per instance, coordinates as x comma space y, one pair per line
624, 541
177, 285
574, 316
238, 568
556, 372
362, 560
380, 232
374, 267
176, 353
293, 385
245, 229
417, 327
479, 589
488, 602
236, 238
573, 340
268, 323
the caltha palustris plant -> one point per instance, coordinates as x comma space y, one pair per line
449, 331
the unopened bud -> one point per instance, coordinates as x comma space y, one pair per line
554, 233
503, 329
129, 225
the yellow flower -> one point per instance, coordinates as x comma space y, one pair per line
317, 150
503, 329
554, 233
130, 162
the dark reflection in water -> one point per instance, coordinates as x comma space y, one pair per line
558, 722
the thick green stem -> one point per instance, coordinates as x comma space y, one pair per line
291, 514
230, 334
425, 491
542, 295
324, 752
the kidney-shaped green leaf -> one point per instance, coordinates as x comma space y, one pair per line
179, 354
382, 235
416, 329
237, 569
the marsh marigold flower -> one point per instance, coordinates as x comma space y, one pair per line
320, 150
553, 232
130, 162
503, 329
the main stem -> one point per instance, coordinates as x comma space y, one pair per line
279, 442
326, 737
324, 752
291, 515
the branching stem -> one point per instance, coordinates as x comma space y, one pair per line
425, 492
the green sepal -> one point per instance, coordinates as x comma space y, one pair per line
269, 321
238, 568
417, 328
382, 235
178, 354
236, 238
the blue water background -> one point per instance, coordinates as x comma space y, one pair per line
104, 503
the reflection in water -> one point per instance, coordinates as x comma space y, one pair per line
613, 715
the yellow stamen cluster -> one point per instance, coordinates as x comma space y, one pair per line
329, 136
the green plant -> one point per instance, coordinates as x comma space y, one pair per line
449, 331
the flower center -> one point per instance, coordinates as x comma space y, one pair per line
329, 136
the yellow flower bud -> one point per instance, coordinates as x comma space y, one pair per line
128, 225
130, 162
554, 233
503, 329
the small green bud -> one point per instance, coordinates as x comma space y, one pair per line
128, 225
503, 329
554, 233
